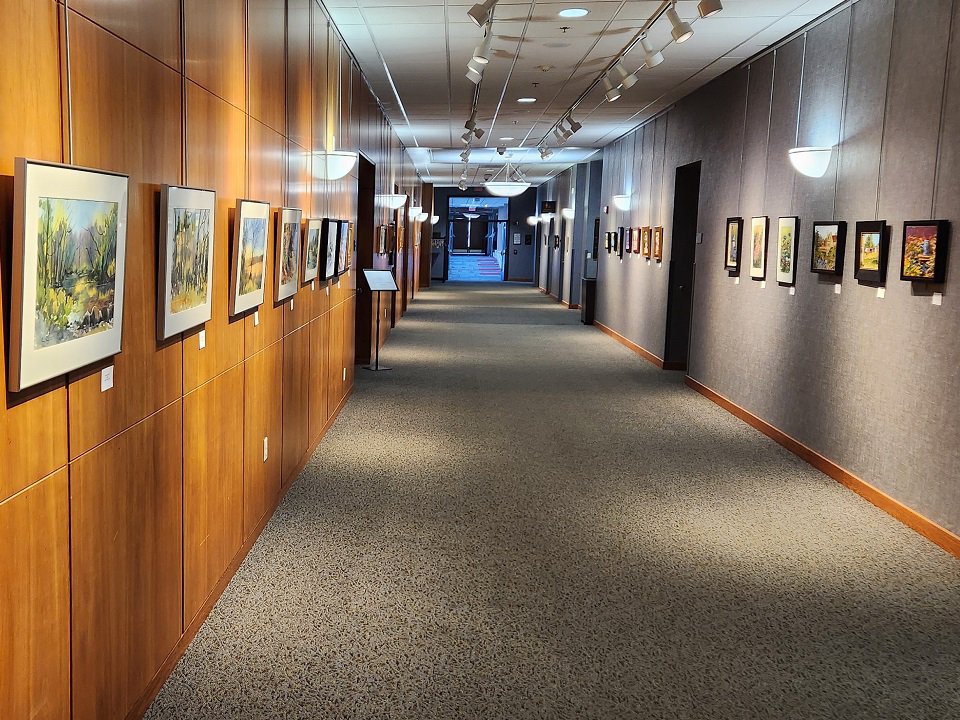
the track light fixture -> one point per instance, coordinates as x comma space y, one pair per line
480, 12
472, 122
651, 57
545, 153
681, 31
628, 80
613, 93
574, 125
706, 8
465, 155
462, 185
474, 72
478, 132
482, 52
466, 137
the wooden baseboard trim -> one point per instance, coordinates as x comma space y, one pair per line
911, 518
642, 352
571, 306
168, 665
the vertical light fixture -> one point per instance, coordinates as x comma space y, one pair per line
706, 8
480, 12
628, 80
474, 72
651, 57
612, 93
482, 52
680, 30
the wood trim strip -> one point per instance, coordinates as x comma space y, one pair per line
163, 674
911, 518
642, 352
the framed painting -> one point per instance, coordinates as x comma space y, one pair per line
759, 226
621, 241
248, 268
185, 297
382, 240
925, 245
311, 251
645, 242
608, 242
829, 244
731, 250
870, 251
287, 275
69, 251
328, 248
343, 236
350, 240
787, 229
635, 232
629, 240
658, 243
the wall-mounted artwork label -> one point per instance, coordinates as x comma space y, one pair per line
731, 252
202, 339
937, 299
645, 242
758, 247
69, 249
288, 252
106, 378
311, 251
658, 243
787, 229
870, 251
925, 250
248, 268
829, 243
185, 297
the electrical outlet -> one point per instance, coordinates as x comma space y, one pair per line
266, 448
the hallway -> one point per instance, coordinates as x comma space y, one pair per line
525, 520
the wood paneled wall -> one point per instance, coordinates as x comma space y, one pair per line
123, 513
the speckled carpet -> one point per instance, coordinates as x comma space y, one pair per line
524, 520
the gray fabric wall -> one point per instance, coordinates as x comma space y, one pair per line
870, 383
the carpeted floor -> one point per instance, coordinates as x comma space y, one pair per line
474, 268
524, 520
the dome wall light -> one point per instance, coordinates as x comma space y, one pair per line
651, 57
568, 213
421, 217
628, 80
414, 211
621, 202
612, 93
680, 30
434, 219
573, 12
332, 165
480, 12
532, 220
811, 161
392, 201
706, 8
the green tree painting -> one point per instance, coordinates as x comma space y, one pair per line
190, 259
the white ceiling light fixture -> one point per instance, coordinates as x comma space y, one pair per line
627, 79
393, 201
621, 202
474, 72
811, 161
507, 139
480, 12
573, 12
507, 187
526, 100
680, 30
545, 153
482, 52
706, 8
612, 93
651, 57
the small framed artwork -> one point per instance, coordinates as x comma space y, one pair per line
350, 227
622, 240
829, 244
870, 251
925, 245
343, 239
658, 243
731, 251
249, 263
629, 240
328, 248
615, 240
69, 251
186, 259
645, 242
311, 251
787, 229
288, 252
381, 240
759, 227
607, 245
635, 234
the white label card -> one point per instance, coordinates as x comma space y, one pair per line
763, 284
106, 378
937, 299
328, 289
736, 281
266, 449
291, 303
313, 285
793, 290
202, 339
881, 293
836, 289
344, 374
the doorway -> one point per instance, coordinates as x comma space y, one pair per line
477, 228
683, 247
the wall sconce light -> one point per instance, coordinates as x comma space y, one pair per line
392, 201
421, 217
532, 220
621, 202
810, 161
414, 211
567, 213
434, 219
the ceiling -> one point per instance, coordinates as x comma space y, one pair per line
414, 54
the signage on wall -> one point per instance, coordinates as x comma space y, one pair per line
548, 206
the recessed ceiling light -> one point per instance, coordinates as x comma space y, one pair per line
526, 100
573, 12
507, 138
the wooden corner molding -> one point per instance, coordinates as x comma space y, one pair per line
642, 352
911, 518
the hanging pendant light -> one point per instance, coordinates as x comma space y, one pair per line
507, 187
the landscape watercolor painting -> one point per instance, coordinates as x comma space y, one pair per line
253, 250
869, 251
828, 247
189, 277
313, 252
289, 252
76, 269
787, 250
731, 254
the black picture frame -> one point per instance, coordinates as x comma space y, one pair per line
607, 242
621, 242
936, 263
787, 278
733, 248
761, 272
816, 264
329, 230
880, 245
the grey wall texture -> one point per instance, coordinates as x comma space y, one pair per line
870, 383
